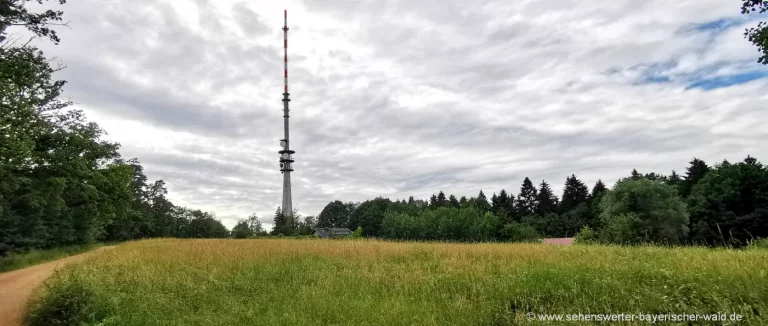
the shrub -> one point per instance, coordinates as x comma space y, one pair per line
69, 301
443, 223
761, 243
643, 210
519, 232
357, 234
585, 236
623, 229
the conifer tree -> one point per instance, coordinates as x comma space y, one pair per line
526, 200
546, 201
279, 222
694, 173
575, 192
656, 177
598, 191
481, 202
453, 202
441, 200
495, 204
506, 205
503, 198
600, 188
433, 201
675, 181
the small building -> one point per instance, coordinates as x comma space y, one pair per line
332, 232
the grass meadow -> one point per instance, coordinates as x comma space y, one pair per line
369, 282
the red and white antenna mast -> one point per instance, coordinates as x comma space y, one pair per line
285, 47
286, 154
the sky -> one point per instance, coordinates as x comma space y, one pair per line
406, 98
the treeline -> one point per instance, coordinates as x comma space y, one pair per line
725, 204
60, 183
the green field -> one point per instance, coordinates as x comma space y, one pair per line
367, 282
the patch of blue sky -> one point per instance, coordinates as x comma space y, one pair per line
717, 25
727, 81
655, 80
654, 73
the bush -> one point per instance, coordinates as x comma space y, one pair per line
68, 301
357, 234
443, 224
585, 236
623, 229
761, 243
519, 232
638, 211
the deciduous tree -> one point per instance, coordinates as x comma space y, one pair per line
758, 35
636, 211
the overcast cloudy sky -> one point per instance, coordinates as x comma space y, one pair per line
399, 98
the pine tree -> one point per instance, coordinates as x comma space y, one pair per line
503, 198
636, 175
546, 201
694, 173
526, 200
675, 180
433, 201
598, 191
600, 188
279, 220
410, 200
463, 201
655, 177
506, 205
453, 202
441, 200
575, 192
481, 202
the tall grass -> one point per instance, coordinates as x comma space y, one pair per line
29, 258
368, 282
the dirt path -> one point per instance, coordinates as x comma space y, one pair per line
559, 241
17, 286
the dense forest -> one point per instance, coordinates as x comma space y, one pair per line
62, 184
724, 204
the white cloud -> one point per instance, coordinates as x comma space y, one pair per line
399, 98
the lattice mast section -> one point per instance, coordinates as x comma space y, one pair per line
286, 154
